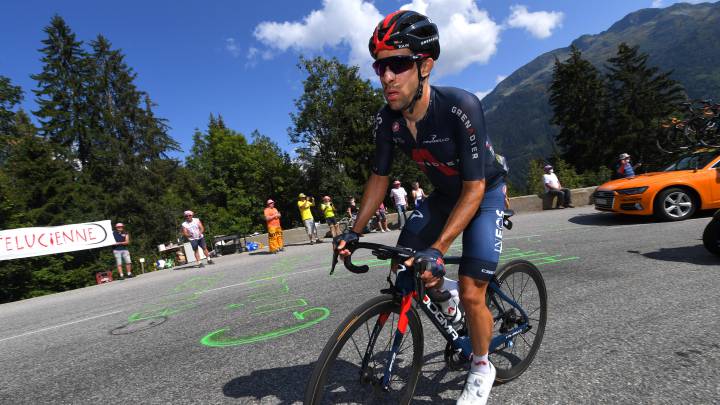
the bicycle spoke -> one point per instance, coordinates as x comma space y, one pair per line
356, 348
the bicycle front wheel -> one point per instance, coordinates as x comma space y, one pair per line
339, 376
522, 282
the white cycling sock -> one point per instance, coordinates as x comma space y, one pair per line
479, 364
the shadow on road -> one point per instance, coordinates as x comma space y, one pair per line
288, 384
611, 219
685, 254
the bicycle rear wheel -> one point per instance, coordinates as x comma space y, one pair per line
338, 376
522, 282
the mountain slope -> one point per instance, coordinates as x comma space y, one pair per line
682, 38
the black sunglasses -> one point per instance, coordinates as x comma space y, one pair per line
397, 64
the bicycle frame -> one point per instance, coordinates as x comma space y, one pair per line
451, 335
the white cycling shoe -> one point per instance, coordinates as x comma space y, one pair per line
477, 388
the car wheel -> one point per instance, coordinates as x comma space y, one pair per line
674, 204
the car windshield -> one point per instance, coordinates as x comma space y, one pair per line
690, 162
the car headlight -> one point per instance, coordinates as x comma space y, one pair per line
631, 191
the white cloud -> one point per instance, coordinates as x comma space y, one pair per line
500, 78
467, 34
657, 3
539, 23
348, 22
231, 46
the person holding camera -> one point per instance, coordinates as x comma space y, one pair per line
304, 204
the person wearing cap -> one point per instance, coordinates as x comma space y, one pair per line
194, 230
121, 252
554, 189
328, 209
623, 167
399, 197
304, 204
275, 235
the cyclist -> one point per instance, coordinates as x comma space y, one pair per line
443, 130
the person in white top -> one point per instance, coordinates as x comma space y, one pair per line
554, 188
193, 229
418, 195
399, 197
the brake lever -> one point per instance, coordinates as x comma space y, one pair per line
507, 223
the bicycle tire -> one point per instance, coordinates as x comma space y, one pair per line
710, 237
507, 360
672, 140
319, 391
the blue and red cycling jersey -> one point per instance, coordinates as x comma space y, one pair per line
452, 146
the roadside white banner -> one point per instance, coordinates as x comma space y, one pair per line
29, 242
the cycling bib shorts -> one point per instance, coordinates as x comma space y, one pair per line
481, 239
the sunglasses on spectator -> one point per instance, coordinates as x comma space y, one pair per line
397, 63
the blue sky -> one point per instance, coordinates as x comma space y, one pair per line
239, 58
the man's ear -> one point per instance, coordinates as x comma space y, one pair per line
427, 66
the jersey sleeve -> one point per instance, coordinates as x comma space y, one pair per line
471, 136
383, 146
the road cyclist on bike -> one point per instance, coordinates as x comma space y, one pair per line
443, 130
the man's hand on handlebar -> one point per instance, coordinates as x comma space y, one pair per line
341, 242
430, 262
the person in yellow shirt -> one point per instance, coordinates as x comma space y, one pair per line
328, 210
304, 204
275, 235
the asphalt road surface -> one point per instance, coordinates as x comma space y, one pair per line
632, 318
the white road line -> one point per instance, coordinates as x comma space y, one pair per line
60, 326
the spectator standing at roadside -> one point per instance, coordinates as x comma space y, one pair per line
304, 204
382, 218
399, 197
623, 168
555, 189
120, 250
194, 230
352, 208
275, 235
418, 195
328, 210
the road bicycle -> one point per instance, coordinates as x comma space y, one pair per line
699, 128
347, 223
375, 355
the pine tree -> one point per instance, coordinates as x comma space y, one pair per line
10, 97
639, 97
577, 94
61, 91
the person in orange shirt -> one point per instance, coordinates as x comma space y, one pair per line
275, 236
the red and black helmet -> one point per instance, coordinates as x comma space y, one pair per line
406, 29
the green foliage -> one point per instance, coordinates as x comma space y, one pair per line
334, 124
10, 96
601, 119
578, 97
101, 155
640, 97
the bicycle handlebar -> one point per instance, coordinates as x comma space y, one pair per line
385, 252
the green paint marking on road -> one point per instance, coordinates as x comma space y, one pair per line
279, 306
219, 338
174, 305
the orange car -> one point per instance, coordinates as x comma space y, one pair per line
689, 184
